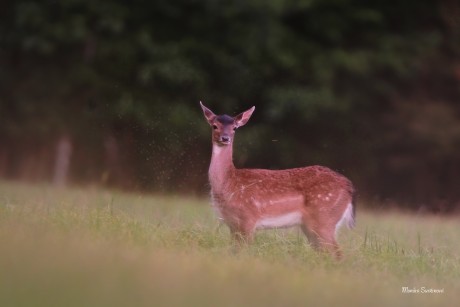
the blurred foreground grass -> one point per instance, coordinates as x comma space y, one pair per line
89, 247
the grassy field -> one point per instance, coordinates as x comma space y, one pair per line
89, 247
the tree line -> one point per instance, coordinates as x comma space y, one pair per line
107, 92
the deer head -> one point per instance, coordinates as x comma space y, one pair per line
224, 126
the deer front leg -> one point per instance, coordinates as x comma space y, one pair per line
242, 235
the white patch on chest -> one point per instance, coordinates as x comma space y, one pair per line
217, 207
281, 221
216, 149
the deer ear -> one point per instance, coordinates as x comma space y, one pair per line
242, 118
210, 116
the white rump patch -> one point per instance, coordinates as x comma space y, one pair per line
280, 221
347, 217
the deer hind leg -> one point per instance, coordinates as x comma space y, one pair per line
311, 236
329, 243
321, 238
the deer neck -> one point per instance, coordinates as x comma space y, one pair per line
221, 167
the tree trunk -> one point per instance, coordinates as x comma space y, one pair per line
3, 163
62, 164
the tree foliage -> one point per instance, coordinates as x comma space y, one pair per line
370, 88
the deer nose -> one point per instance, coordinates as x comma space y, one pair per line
225, 139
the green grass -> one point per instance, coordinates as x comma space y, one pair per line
87, 247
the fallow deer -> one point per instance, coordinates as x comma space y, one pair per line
316, 198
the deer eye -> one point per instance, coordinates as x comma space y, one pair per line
214, 127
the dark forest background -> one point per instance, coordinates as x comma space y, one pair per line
107, 92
